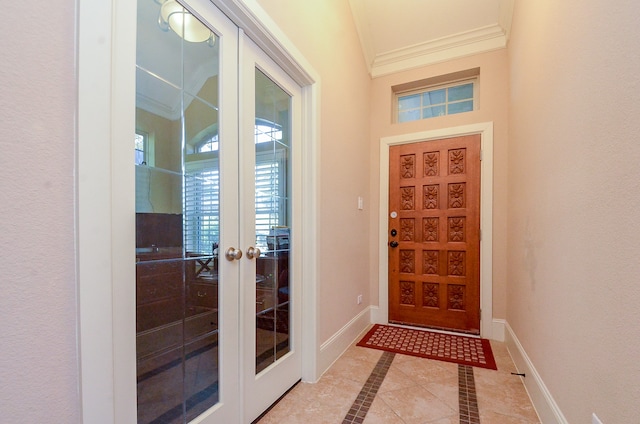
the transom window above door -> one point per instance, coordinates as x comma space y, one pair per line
436, 96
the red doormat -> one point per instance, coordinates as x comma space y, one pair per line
428, 344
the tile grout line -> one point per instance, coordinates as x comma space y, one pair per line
467, 398
363, 402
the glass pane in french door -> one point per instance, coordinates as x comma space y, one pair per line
201, 215
177, 214
273, 222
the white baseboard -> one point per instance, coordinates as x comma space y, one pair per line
335, 346
376, 315
497, 330
546, 407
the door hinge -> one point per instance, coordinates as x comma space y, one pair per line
480, 314
481, 154
480, 234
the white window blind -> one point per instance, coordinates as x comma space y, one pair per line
202, 202
202, 191
271, 181
267, 195
201, 206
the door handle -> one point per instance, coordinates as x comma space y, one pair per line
253, 252
393, 243
233, 254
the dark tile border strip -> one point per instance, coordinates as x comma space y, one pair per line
365, 398
467, 399
269, 354
208, 393
174, 363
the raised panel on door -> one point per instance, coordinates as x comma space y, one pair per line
434, 256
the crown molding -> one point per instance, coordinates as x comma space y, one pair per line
476, 41
506, 16
166, 99
160, 108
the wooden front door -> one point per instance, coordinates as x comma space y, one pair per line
434, 234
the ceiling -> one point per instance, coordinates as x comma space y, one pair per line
395, 35
402, 34
165, 64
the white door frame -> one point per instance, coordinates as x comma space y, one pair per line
105, 228
485, 130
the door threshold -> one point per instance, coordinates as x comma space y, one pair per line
266, 411
433, 329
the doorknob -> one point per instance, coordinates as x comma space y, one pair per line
393, 244
253, 252
232, 254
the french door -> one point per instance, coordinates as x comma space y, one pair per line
217, 147
271, 358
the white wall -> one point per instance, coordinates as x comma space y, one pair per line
38, 359
574, 197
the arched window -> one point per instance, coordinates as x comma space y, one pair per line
202, 187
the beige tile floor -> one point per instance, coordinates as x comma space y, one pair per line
415, 390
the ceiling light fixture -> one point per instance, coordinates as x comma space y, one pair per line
175, 17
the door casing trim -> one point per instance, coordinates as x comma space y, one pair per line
381, 314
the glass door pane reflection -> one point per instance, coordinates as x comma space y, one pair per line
201, 237
177, 222
272, 202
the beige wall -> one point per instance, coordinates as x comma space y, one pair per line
38, 358
160, 191
574, 197
493, 107
570, 194
324, 32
